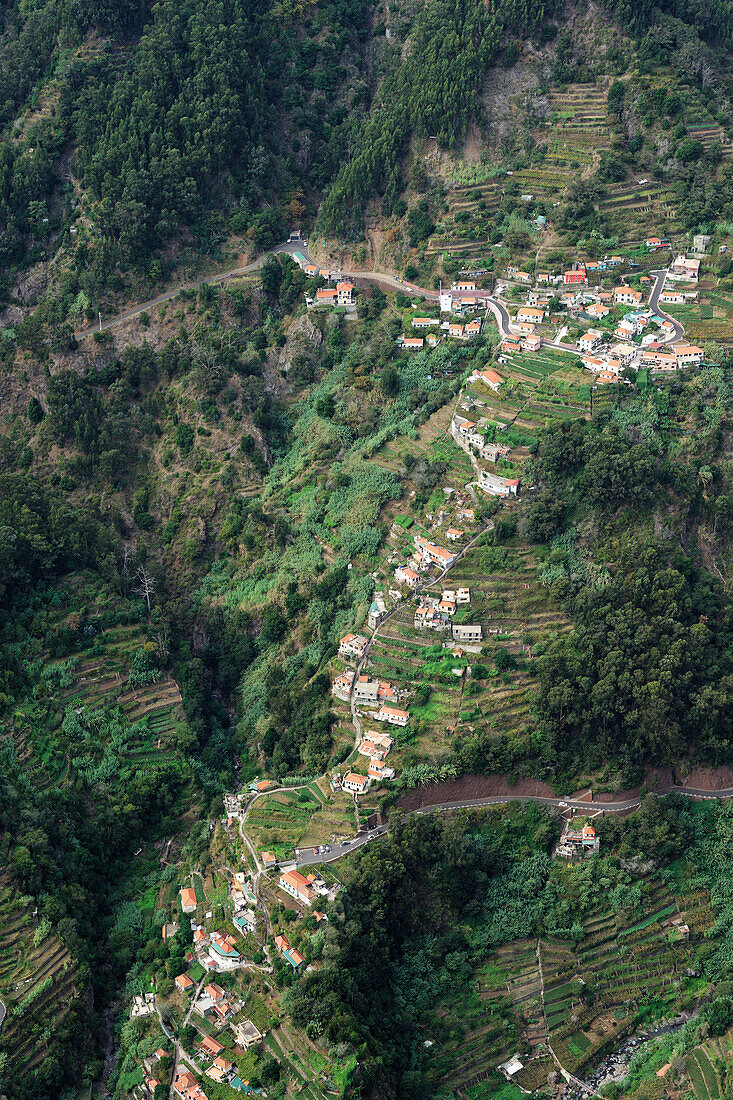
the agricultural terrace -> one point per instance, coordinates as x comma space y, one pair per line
37, 981
550, 384
300, 818
450, 693
708, 317
589, 992
98, 655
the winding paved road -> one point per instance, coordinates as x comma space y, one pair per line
289, 247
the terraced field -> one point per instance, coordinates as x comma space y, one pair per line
38, 982
589, 993
97, 675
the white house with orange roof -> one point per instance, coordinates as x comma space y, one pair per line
353, 645
453, 534
498, 486
437, 555
299, 887
355, 783
188, 900
403, 574
392, 715
532, 314
413, 343
687, 355
590, 340
626, 296
344, 293
489, 377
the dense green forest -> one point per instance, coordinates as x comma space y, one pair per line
427, 909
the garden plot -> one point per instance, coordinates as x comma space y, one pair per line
286, 820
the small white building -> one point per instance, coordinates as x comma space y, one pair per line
355, 783
392, 715
469, 633
498, 486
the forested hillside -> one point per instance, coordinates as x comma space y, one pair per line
199, 502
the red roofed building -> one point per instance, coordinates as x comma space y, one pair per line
295, 884
210, 1046
188, 900
572, 277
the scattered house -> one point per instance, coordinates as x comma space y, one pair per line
511, 1066
623, 353
366, 690
245, 1032
523, 277
188, 900
453, 533
625, 296
577, 841
589, 340
342, 685
327, 296
605, 377
210, 1046
543, 277
460, 596
186, 1086
675, 297
456, 331
463, 285
448, 607
245, 921
498, 486
353, 645
405, 575
311, 270
473, 328
598, 311
684, 268
438, 555
377, 611
530, 314
626, 330
355, 783
385, 691
223, 946
344, 292
432, 340
268, 860
169, 930
654, 243
590, 362
293, 957
510, 345
392, 715
531, 342
151, 1084
700, 242
577, 275
219, 1069
423, 322
659, 360
524, 328
687, 355
468, 633
489, 377
379, 771
184, 983
299, 887
413, 343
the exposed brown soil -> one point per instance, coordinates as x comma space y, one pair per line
472, 786
709, 779
469, 787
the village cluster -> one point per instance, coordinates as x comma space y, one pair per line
640, 337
